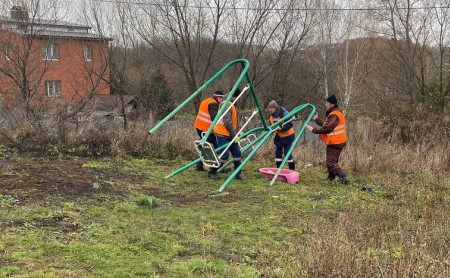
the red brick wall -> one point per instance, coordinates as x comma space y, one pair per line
78, 77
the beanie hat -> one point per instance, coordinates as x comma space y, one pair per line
237, 92
332, 99
272, 104
218, 94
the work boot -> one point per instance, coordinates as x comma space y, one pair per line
199, 167
239, 174
278, 163
343, 176
291, 166
213, 173
330, 176
225, 170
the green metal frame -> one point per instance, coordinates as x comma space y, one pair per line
266, 130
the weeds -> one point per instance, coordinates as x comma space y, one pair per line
312, 229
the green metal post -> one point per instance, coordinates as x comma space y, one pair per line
192, 163
295, 141
246, 65
258, 105
252, 153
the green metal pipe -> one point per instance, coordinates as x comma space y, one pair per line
187, 166
246, 65
302, 130
252, 153
192, 163
246, 148
258, 105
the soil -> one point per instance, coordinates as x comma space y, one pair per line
24, 176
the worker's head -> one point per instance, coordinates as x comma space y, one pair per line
236, 93
272, 107
330, 102
218, 95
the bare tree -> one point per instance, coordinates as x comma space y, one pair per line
329, 34
352, 58
439, 97
185, 33
404, 55
292, 36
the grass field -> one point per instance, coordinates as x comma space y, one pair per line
115, 217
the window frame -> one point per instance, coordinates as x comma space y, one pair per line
85, 52
51, 51
6, 48
55, 88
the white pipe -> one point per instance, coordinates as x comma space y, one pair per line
237, 133
229, 107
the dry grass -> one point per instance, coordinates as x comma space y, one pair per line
372, 146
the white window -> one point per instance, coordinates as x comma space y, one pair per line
6, 52
51, 51
87, 52
53, 88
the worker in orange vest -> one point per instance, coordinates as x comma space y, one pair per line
333, 132
207, 111
226, 129
285, 134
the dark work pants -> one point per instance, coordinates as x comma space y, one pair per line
282, 145
234, 149
332, 160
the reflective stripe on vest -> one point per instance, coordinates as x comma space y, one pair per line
220, 128
203, 119
339, 134
282, 133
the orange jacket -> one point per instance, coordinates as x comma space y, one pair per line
203, 120
339, 134
220, 128
282, 134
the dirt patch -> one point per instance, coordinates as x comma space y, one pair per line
57, 223
25, 177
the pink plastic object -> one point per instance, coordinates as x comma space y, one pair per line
289, 176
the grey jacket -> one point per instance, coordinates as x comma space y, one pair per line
227, 122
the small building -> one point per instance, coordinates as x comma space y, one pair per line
50, 61
105, 107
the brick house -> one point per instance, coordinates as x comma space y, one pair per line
50, 61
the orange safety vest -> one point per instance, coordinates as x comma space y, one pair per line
338, 135
220, 128
203, 120
282, 133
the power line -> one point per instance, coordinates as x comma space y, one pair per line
278, 9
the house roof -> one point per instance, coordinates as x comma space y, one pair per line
47, 22
52, 28
74, 35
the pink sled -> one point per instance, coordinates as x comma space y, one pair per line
289, 176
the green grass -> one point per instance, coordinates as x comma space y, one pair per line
178, 228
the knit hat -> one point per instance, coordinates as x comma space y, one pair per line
272, 104
218, 94
332, 99
237, 92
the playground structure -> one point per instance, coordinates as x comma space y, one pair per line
250, 142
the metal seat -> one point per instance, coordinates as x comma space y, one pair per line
208, 154
247, 141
